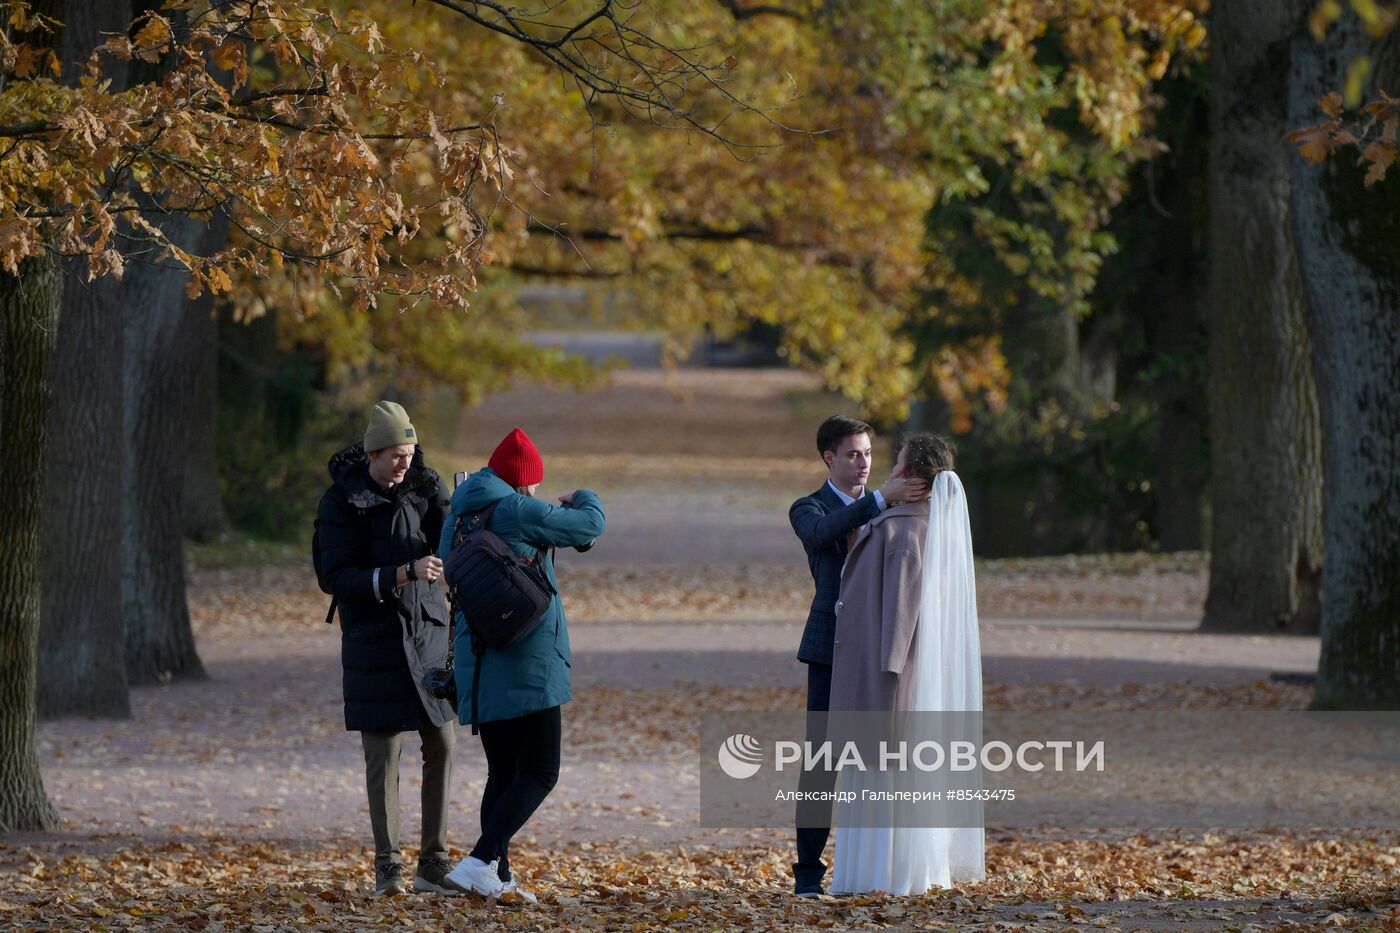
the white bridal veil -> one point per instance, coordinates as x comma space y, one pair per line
947, 672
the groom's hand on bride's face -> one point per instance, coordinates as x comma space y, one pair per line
900, 488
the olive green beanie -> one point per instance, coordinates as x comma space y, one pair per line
388, 427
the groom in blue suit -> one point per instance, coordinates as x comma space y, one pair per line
826, 522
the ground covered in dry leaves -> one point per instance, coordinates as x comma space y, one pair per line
1207, 882
639, 862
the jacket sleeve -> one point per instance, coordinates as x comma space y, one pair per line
901, 591
818, 530
343, 555
545, 525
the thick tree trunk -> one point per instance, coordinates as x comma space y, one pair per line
159, 370
205, 517
160, 363
29, 307
1348, 236
81, 641
1266, 471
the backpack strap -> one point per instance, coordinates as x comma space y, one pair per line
481, 520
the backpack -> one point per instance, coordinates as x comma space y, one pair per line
502, 595
321, 580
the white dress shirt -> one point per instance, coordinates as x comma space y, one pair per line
847, 500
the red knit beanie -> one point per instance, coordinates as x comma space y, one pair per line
516, 460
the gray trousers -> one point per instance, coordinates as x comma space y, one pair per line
382, 781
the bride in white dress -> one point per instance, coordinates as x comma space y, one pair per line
907, 641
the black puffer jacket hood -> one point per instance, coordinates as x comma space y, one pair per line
349, 469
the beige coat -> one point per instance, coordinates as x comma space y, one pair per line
878, 611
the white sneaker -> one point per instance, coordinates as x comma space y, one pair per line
510, 887
472, 874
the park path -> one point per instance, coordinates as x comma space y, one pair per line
259, 750
693, 601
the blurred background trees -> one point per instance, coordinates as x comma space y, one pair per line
1070, 235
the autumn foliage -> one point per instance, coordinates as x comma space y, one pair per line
261, 112
790, 179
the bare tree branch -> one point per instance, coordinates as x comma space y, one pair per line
660, 90
740, 11
749, 232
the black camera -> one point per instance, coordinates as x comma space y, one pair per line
441, 683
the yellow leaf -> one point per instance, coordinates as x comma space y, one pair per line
1367, 10
219, 281
1357, 72
153, 38
1158, 69
1323, 16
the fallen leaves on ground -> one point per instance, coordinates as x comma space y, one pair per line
610, 850
1205, 881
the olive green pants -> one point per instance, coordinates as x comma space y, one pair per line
382, 781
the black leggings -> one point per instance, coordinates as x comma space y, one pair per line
522, 767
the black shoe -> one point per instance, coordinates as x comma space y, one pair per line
388, 880
432, 877
807, 882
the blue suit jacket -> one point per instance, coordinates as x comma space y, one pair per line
822, 522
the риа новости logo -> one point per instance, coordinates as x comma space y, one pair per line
741, 756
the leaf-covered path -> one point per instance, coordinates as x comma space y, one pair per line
238, 803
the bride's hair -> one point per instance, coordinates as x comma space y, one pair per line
927, 455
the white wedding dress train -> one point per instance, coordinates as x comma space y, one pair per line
948, 677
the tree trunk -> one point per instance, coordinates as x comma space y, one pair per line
205, 517
160, 363
29, 307
81, 640
1266, 470
81, 665
1348, 236
159, 368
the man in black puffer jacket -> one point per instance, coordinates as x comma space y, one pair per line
377, 529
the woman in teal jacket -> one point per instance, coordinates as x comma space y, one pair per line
522, 687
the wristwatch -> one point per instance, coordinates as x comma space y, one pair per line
408, 571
